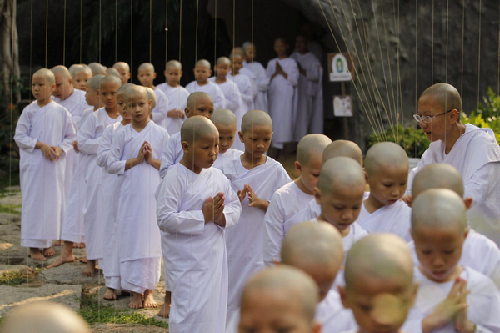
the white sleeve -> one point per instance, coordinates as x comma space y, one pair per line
87, 143
314, 74
23, 131
262, 80
167, 157
220, 100
477, 186
115, 164
247, 91
105, 146
232, 209
293, 75
273, 231
69, 134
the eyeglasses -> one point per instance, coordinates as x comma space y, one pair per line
428, 119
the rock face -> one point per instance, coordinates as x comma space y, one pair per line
403, 47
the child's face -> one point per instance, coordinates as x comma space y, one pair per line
388, 185
41, 88
222, 70
341, 206
438, 251
124, 74
257, 140
138, 107
203, 107
146, 77
108, 92
80, 79
237, 64
122, 106
201, 74
251, 53
273, 311
226, 137
173, 76
280, 48
63, 87
204, 151
301, 44
92, 97
378, 305
309, 171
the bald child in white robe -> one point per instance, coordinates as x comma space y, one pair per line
316, 249
261, 80
202, 72
294, 196
255, 177
479, 252
195, 206
226, 124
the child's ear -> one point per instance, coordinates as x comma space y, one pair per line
185, 145
316, 327
97, 93
240, 134
209, 72
366, 175
298, 167
343, 296
194, 71
466, 233
154, 75
317, 195
187, 112
128, 75
468, 202
180, 75
165, 73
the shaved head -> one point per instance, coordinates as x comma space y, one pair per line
439, 209
146, 65
223, 60
74, 67
204, 63
379, 256
235, 55
237, 50
135, 89
95, 82
43, 317
339, 173
247, 45
383, 155
224, 117
46, 74
62, 71
311, 144
122, 64
312, 244
112, 71
294, 283
152, 97
125, 87
96, 68
344, 148
111, 79
80, 70
193, 97
255, 118
173, 64
445, 95
435, 176
195, 128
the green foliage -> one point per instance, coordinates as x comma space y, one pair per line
95, 313
16, 278
486, 115
412, 140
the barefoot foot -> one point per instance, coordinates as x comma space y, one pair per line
90, 269
110, 294
36, 254
164, 311
149, 301
84, 259
62, 259
136, 302
57, 243
79, 245
49, 252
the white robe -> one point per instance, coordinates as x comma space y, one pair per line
394, 219
89, 137
280, 96
212, 89
476, 156
261, 82
478, 253
177, 99
138, 236
332, 316
172, 154
244, 241
285, 203
108, 206
229, 155
76, 104
483, 302
159, 113
246, 88
195, 252
308, 97
42, 181
234, 103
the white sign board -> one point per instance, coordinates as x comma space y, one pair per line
342, 106
340, 71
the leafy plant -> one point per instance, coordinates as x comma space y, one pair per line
486, 115
412, 140
491, 105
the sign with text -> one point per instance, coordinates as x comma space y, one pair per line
340, 67
342, 106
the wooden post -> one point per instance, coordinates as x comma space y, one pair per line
346, 128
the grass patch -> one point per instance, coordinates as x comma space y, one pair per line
15, 278
10, 209
95, 313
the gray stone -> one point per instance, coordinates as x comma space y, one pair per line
70, 273
15, 296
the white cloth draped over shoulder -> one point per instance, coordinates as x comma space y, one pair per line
89, 138
244, 241
285, 203
281, 98
212, 89
42, 181
177, 99
332, 316
476, 156
308, 111
172, 154
483, 302
159, 114
229, 155
394, 219
246, 87
76, 104
195, 252
261, 83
